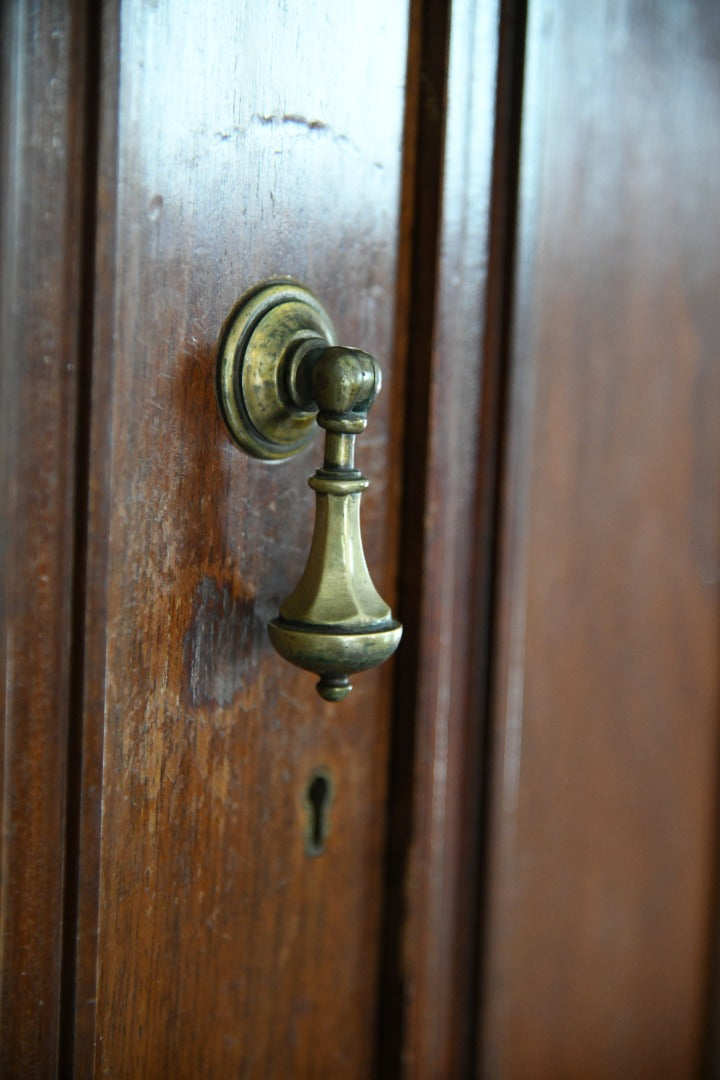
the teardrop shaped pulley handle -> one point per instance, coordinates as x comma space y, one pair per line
279, 370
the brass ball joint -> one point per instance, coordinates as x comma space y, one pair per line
279, 370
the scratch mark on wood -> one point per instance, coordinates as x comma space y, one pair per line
290, 120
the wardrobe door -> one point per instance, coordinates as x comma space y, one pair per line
238, 142
603, 810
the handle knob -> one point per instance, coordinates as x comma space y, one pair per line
278, 371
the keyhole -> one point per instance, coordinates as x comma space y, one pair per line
317, 799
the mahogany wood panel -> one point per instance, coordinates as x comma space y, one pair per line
42, 86
428, 1018
238, 142
607, 693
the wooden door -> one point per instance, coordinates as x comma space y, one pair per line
605, 696
237, 143
226, 143
512, 205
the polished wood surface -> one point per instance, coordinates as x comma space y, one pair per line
532, 781
41, 208
604, 806
238, 143
427, 1020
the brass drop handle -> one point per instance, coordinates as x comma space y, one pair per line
279, 370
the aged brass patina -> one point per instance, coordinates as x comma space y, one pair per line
278, 371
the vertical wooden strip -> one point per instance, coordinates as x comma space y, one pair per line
437, 767
236, 146
415, 306
603, 810
91, 636
43, 84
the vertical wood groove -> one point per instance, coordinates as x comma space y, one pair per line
85, 332
92, 618
43, 87
415, 311
497, 355
459, 281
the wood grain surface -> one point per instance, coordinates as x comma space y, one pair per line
427, 1016
520, 220
42, 85
239, 142
607, 698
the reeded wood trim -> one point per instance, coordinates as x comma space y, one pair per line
43, 75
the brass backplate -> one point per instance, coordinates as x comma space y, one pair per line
263, 329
